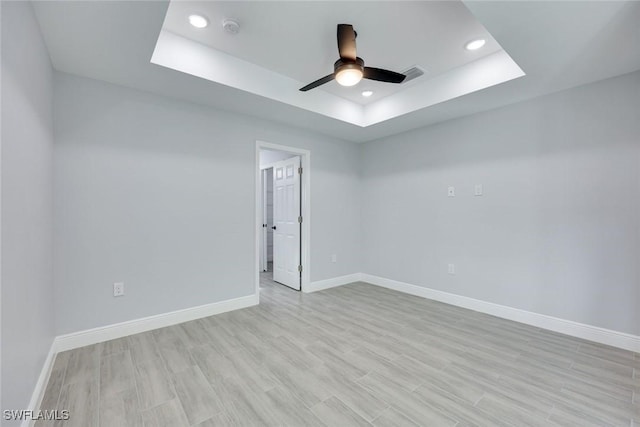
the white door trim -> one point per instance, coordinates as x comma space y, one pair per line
263, 235
264, 261
305, 182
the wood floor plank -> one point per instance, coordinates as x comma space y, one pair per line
114, 346
153, 383
175, 355
81, 399
196, 395
143, 347
220, 419
290, 410
453, 407
361, 400
83, 365
250, 406
404, 401
120, 409
116, 373
353, 355
390, 417
569, 416
195, 332
56, 381
370, 361
306, 384
510, 410
334, 412
213, 365
244, 365
168, 414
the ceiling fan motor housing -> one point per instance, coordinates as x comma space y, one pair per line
345, 64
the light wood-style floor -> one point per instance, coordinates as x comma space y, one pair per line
349, 356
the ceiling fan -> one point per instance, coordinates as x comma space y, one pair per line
350, 69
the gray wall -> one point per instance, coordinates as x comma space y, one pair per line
27, 212
160, 194
557, 229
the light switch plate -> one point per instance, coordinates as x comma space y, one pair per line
451, 191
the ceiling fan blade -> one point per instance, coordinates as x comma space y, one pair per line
383, 75
347, 42
318, 82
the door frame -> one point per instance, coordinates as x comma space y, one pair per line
305, 187
263, 258
263, 236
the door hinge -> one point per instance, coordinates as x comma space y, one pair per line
300, 268
300, 219
300, 170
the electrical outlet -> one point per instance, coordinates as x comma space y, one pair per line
478, 190
452, 269
118, 289
334, 258
451, 191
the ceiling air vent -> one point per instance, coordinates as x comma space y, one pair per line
412, 73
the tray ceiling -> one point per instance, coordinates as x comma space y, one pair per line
281, 46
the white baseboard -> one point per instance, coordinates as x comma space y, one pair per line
118, 330
567, 327
41, 384
105, 333
332, 283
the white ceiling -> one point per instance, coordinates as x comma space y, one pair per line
298, 39
260, 61
558, 44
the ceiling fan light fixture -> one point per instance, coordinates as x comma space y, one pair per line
349, 73
198, 21
349, 76
350, 69
475, 44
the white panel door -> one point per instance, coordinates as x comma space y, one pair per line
286, 228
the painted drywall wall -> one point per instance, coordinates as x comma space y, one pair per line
160, 194
27, 205
556, 230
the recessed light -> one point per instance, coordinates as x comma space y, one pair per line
367, 93
198, 21
475, 44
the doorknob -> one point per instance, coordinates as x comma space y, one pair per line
274, 227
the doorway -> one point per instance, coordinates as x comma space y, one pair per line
282, 216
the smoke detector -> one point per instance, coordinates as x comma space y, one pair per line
231, 26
